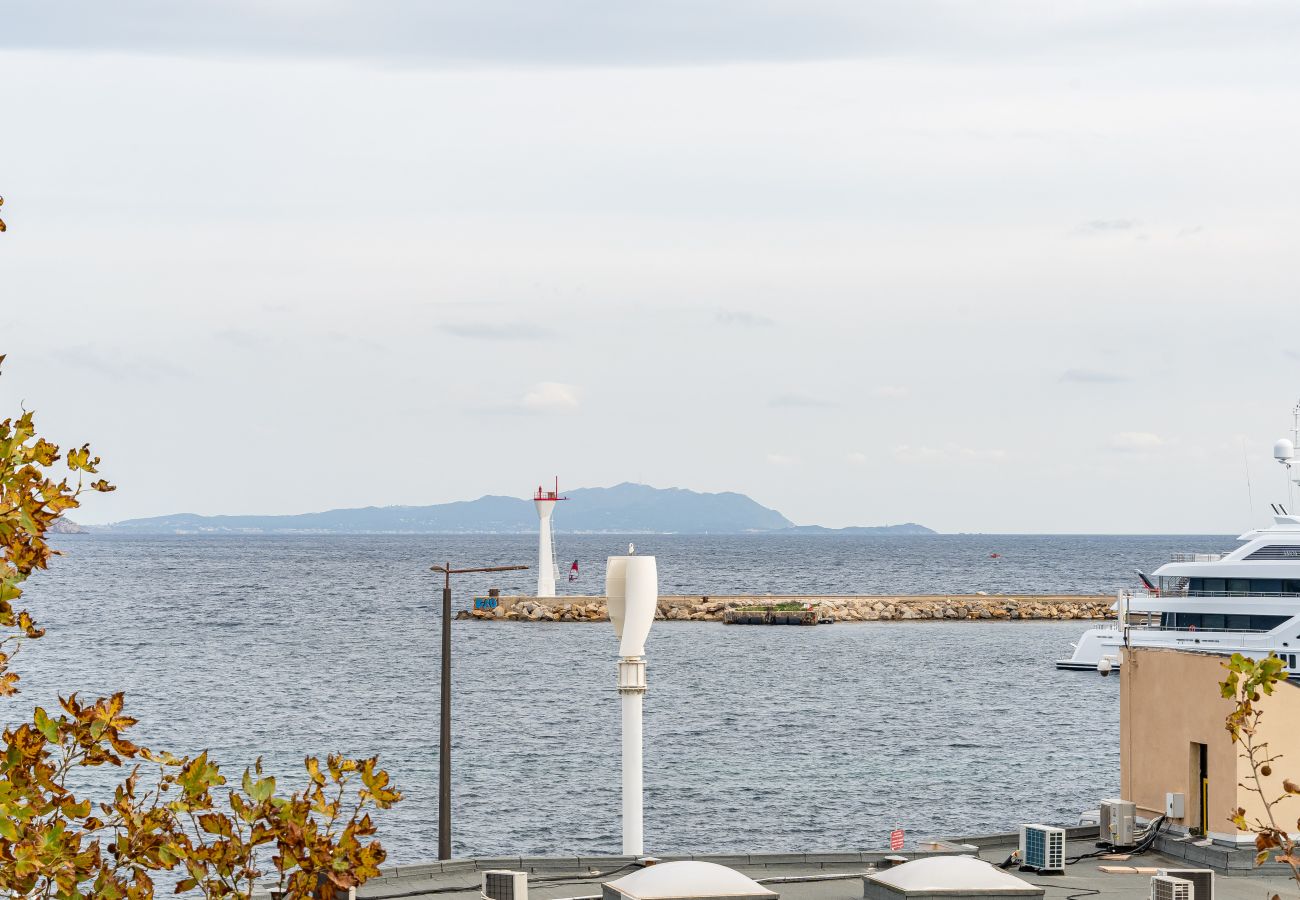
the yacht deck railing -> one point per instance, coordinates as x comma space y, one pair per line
1190, 630
1155, 626
1156, 595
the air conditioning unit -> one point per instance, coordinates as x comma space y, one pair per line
1118, 822
1201, 879
1165, 888
499, 884
1042, 848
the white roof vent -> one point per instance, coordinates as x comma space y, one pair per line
685, 879
948, 876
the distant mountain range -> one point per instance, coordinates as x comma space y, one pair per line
622, 509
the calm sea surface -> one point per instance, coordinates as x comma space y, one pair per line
756, 738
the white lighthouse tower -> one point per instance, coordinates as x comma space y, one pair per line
545, 502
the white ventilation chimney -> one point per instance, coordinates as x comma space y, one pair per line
632, 593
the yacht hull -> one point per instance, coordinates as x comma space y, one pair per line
1107, 642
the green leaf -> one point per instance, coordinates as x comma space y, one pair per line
263, 790
46, 725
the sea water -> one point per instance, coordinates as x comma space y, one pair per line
755, 738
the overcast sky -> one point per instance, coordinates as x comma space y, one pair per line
1002, 266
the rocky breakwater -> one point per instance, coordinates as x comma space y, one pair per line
839, 609
888, 609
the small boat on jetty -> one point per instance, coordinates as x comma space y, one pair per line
1243, 601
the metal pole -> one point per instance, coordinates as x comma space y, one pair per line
631, 688
444, 737
444, 743
633, 843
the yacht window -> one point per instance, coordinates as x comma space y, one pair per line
1277, 551
1187, 620
1213, 621
1202, 586
1237, 622
1266, 623
1291, 663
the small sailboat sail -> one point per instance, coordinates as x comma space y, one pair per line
573, 571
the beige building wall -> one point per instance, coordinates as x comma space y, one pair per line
1169, 704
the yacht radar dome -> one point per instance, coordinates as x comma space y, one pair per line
1284, 451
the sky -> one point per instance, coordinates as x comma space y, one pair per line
996, 267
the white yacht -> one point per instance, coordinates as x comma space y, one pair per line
1246, 600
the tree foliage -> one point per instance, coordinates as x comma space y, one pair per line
169, 818
30, 501
1248, 682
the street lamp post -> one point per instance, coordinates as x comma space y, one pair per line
444, 740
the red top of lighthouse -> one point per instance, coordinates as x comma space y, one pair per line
543, 494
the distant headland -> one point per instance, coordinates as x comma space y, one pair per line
623, 509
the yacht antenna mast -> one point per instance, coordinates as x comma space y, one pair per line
1295, 439
1284, 451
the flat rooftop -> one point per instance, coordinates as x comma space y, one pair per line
808, 876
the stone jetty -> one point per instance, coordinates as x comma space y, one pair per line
699, 608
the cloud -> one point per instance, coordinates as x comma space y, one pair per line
800, 401
780, 459
673, 32
855, 458
1093, 376
244, 338
742, 319
950, 453
120, 365
1190, 231
1135, 442
889, 391
497, 331
1106, 226
1291, 354
550, 397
